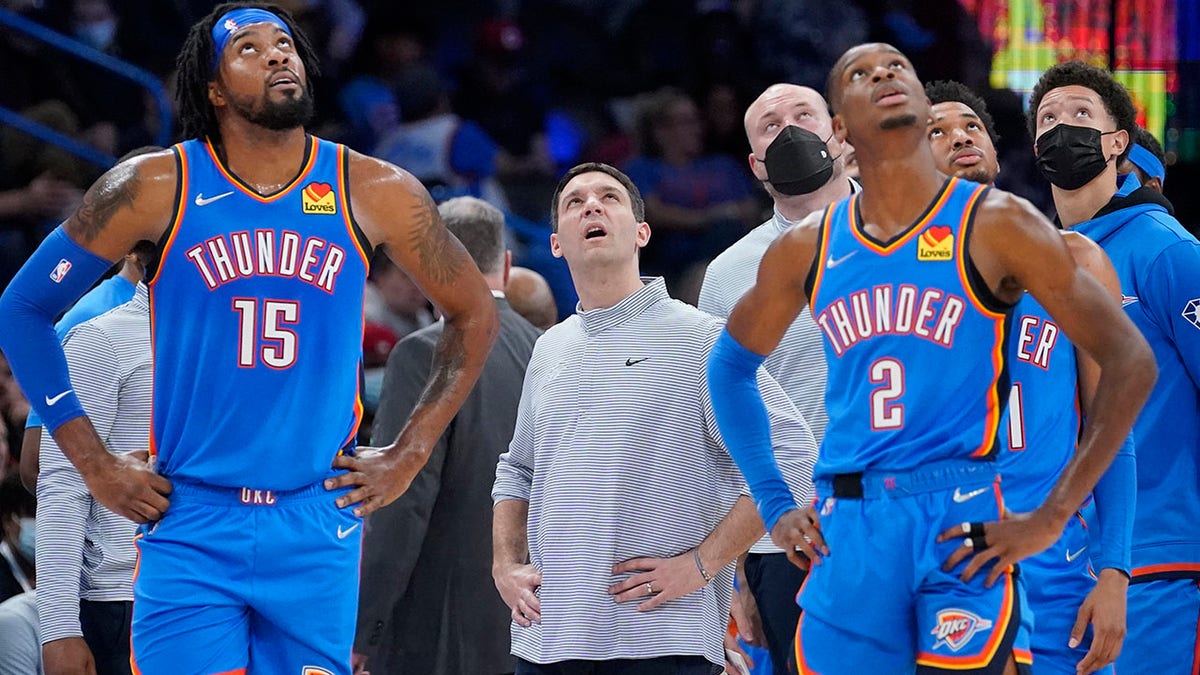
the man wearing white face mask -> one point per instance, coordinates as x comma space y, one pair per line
800, 164
16, 538
1083, 121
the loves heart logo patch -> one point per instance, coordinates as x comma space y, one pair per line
936, 243
319, 198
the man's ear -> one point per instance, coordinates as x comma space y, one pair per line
1119, 141
643, 234
215, 97
839, 130
555, 249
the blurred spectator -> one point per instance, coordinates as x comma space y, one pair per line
723, 105
529, 295
495, 90
797, 41
392, 44
392, 300
697, 204
20, 649
451, 156
13, 407
18, 535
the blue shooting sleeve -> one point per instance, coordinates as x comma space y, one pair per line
1115, 498
57, 273
745, 426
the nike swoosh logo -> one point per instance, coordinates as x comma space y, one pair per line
1127, 300
202, 201
834, 262
960, 497
51, 400
1072, 556
631, 361
342, 534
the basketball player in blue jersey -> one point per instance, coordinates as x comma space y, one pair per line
1082, 118
1051, 386
256, 320
912, 282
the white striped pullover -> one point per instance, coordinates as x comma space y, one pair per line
85, 551
617, 451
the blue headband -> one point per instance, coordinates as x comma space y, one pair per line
1147, 162
228, 24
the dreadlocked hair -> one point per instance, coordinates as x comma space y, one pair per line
194, 68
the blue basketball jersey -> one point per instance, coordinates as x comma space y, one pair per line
256, 320
1043, 415
914, 340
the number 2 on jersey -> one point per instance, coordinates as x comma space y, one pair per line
275, 344
886, 413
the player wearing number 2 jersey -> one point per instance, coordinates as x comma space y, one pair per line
912, 283
256, 316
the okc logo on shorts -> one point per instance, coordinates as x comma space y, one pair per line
313, 670
60, 270
956, 627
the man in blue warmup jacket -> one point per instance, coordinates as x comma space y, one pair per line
1075, 113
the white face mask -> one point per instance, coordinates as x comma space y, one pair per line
26, 540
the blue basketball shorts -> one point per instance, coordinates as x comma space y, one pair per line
1057, 581
1163, 623
234, 581
880, 602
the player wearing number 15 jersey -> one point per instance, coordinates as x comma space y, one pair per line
256, 316
912, 282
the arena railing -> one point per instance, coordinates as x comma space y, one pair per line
56, 40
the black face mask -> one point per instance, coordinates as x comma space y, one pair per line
797, 162
1070, 156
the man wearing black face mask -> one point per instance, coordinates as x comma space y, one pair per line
800, 163
1083, 121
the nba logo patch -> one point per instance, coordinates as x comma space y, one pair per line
319, 198
935, 243
956, 627
60, 270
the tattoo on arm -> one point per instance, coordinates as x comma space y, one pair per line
115, 190
430, 240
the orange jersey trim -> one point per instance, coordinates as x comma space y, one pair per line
244, 189
345, 202
992, 423
801, 663
180, 208
1166, 567
822, 247
913, 230
988, 653
1023, 656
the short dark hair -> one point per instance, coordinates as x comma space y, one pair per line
194, 67
480, 228
635, 196
1147, 140
1113, 95
951, 91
